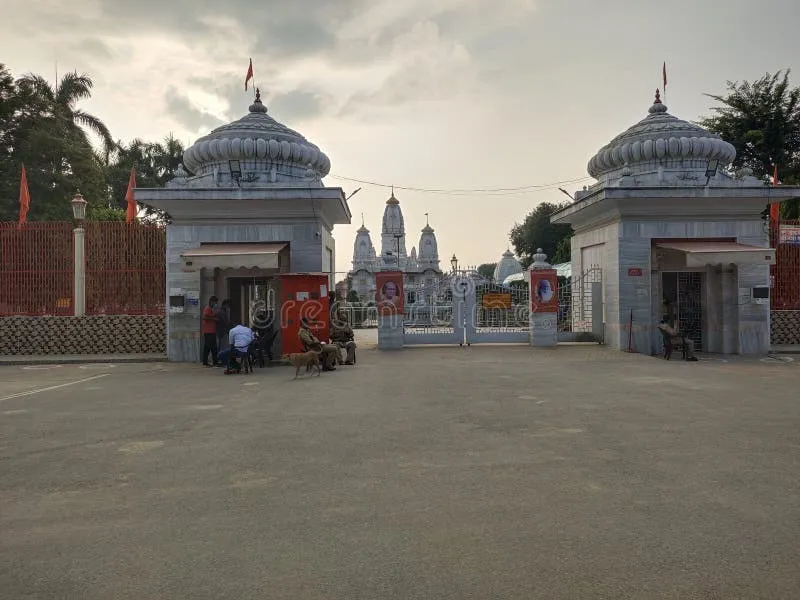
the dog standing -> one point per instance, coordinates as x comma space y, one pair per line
309, 360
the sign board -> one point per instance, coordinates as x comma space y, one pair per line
544, 291
789, 234
634, 272
744, 296
497, 301
389, 292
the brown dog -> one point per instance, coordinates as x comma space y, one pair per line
309, 360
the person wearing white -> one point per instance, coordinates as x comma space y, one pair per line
240, 337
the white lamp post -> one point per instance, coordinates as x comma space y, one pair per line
79, 239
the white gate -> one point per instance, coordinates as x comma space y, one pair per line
440, 318
497, 314
580, 307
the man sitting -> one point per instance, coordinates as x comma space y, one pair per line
240, 338
342, 336
673, 336
330, 353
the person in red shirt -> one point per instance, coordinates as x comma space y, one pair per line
208, 327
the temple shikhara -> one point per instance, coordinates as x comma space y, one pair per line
420, 267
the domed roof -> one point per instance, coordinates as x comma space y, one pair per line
264, 146
661, 139
508, 265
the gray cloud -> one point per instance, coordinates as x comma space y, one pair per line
182, 110
297, 105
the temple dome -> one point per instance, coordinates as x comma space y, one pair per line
508, 265
262, 145
660, 139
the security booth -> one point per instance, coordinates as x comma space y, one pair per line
249, 207
675, 230
301, 295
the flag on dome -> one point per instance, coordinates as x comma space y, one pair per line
664, 75
249, 75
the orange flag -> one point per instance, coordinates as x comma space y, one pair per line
775, 207
664, 75
131, 213
249, 75
24, 197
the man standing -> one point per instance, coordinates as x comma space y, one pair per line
330, 352
223, 324
208, 327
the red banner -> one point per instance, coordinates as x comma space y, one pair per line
544, 290
389, 292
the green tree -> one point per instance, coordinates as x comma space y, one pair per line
536, 231
486, 270
59, 104
43, 129
762, 120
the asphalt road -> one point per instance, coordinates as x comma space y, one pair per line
483, 472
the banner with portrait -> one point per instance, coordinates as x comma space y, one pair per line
544, 291
389, 292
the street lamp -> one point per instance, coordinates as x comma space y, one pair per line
454, 263
78, 207
79, 239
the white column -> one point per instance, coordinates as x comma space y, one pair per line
79, 236
543, 325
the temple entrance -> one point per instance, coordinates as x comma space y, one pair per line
498, 314
684, 291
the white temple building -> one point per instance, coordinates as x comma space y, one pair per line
420, 267
676, 232
507, 266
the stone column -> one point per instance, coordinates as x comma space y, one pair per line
390, 331
543, 315
79, 289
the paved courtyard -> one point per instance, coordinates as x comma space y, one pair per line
482, 472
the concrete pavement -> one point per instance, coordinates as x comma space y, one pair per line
482, 472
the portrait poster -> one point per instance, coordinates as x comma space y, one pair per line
544, 291
389, 292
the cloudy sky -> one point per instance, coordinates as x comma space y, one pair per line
438, 94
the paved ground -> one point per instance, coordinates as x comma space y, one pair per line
483, 472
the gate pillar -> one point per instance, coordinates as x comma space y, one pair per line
390, 298
544, 302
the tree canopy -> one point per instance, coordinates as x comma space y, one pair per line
536, 231
486, 270
762, 120
43, 127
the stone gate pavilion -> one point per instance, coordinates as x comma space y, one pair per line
667, 219
255, 206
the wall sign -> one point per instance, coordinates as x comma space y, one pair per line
634, 272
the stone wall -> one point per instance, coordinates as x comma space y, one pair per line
784, 327
117, 334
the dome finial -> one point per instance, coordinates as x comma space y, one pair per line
362, 219
427, 223
257, 106
658, 97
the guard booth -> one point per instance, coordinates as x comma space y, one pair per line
301, 295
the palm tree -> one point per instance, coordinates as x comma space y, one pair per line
60, 105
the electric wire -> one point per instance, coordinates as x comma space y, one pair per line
468, 192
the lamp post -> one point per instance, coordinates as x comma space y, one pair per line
79, 258
454, 263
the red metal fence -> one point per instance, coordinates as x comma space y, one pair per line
125, 268
785, 292
36, 269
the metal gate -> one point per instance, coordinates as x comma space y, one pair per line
580, 307
438, 318
497, 314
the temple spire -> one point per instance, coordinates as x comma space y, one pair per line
362, 219
427, 223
